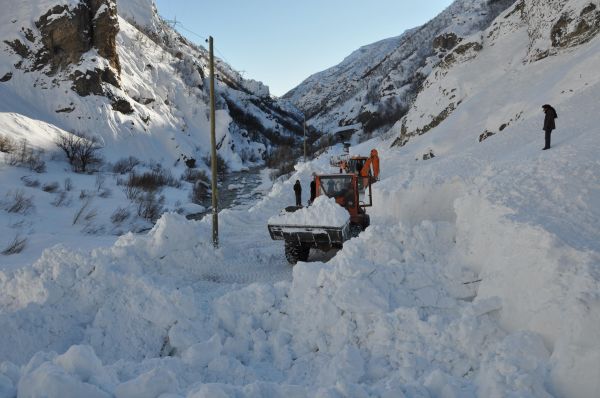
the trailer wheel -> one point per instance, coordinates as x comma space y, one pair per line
295, 252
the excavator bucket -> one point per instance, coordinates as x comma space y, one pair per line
313, 236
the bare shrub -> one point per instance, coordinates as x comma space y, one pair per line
199, 192
221, 164
68, 184
152, 181
29, 182
85, 194
282, 160
105, 193
25, 156
81, 150
19, 156
131, 192
50, 187
100, 180
79, 214
125, 165
90, 215
7, 144
150, 206
15, 247
92, 229
193, 175
249, 155
35, 162
119, 215
62, 199
19, 203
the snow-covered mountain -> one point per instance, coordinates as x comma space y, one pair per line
117, 72
543, 30
478, 277
374, 86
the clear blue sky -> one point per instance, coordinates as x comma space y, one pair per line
282, 42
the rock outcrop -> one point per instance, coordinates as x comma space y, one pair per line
79, 40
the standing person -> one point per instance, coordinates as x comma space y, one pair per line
298, 192
313, 190
549, 123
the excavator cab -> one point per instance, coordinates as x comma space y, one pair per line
356, 163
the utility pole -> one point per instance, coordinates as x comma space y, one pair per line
172, 22
304, 116
213, 147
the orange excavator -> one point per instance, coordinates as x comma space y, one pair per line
351, 189
362, 165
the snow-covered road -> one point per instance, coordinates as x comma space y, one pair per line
478, 277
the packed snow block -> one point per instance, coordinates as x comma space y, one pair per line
347, 366
520, 363
201, 354
441, 384
151, 384
211, 391
7, 388
360, 296
81, 361
77, 373
546, 287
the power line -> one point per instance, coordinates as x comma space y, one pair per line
175, 23
190, 31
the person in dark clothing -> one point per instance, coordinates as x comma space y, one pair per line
298, 192
549, 123
313, 191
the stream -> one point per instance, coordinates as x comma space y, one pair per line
237, 189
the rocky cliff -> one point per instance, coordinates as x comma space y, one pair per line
63, 40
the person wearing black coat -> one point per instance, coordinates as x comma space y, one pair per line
549, 124
313, 191
298, 192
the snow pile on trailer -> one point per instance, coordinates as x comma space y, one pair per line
324, 212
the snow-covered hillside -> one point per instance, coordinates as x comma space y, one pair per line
478, 277
135, 83
374, 86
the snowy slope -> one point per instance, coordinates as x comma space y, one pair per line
161, 88
478, 277
374, 86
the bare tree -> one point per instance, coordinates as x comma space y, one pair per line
88, 153
69, 144
81, 150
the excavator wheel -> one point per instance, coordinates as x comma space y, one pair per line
295, 252
355, 230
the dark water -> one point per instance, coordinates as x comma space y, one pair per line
237, 189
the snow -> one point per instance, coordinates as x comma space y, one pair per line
168, 95
478, 277
323, 212
142, 12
